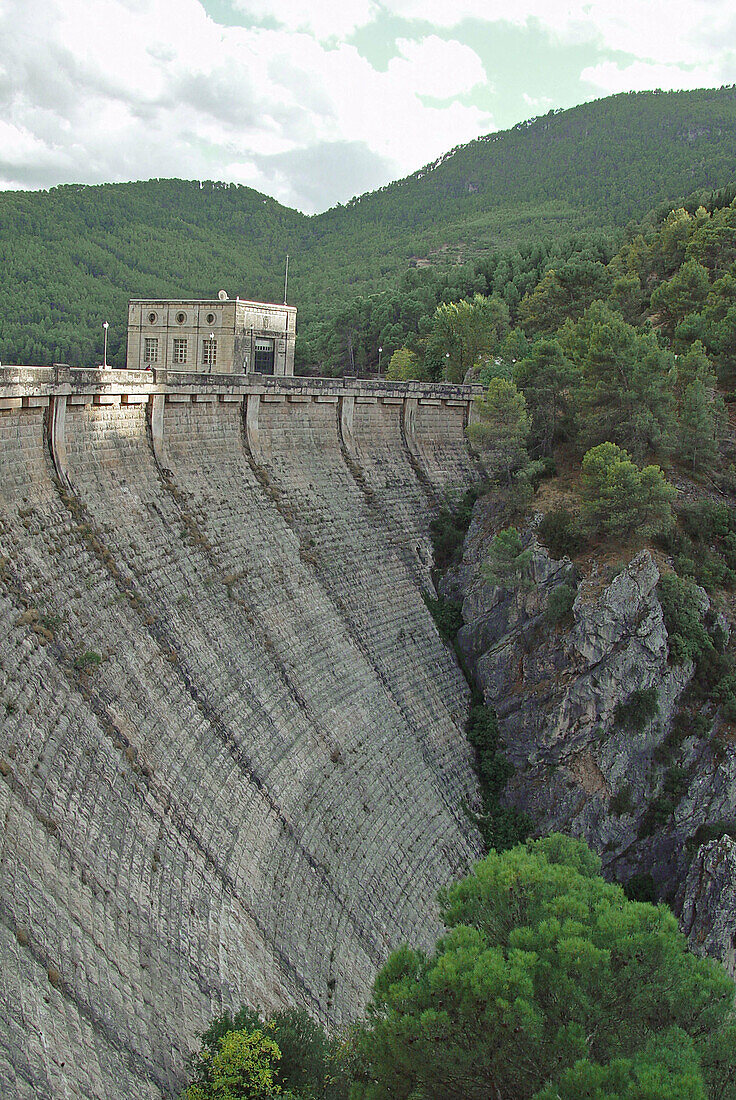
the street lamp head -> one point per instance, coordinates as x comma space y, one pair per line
105, 324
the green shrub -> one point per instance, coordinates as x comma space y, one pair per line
87, 661
703, 545
559, 530
507, 565
301, 1065
622, 802
482, 727
447, 614
501, 826
707, 520
539, 469
681, 605
728, 549
620, 499
447, 538
714, 830
638, 711
684, 725
559, 604
449, 527
661, 808
725, 693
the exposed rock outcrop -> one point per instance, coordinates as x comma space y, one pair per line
596, 720
708, 914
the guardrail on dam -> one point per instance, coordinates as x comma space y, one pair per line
232, 760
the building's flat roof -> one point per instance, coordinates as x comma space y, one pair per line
213, 302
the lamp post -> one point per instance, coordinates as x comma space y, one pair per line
380, 349
106, 326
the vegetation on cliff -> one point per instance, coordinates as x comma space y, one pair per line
604, 396
548, 984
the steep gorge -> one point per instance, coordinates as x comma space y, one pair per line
233, 767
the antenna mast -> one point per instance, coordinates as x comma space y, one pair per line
286, 277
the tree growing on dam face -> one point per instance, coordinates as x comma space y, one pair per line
548, 985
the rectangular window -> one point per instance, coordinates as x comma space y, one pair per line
209, 353
150, 349
264, 356
180, 350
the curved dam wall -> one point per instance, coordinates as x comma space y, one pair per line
232, 761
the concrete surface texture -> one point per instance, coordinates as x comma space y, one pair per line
232, 761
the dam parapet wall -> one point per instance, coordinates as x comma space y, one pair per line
60, 380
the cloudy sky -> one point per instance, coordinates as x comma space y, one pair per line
314, 101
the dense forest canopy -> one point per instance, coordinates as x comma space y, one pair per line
489, 217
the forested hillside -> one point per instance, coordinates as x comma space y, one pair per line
71, 257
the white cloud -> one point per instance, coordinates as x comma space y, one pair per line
324, 18
608, 78
539, 103
121, 89
434, 67
683, 32
124, 89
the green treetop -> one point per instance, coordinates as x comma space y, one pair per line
627, 382
501, 429
240, 1067
620, 499
464, 332
547, 379
548, 984
684, 293
404, 366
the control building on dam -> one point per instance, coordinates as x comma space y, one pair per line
232, 760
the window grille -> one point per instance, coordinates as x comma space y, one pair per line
180, 351
209, 353
150, 350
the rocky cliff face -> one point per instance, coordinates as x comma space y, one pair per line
596, 720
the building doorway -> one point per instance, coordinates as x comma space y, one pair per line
264, 356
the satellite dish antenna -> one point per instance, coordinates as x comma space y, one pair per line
222, 295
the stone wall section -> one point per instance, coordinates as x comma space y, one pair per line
272, 580
115, 899
396, 479
224, 656
302, 461
442, 447
231, 758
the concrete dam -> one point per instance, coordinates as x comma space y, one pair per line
232, 760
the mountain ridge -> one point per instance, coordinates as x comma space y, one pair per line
71, 256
